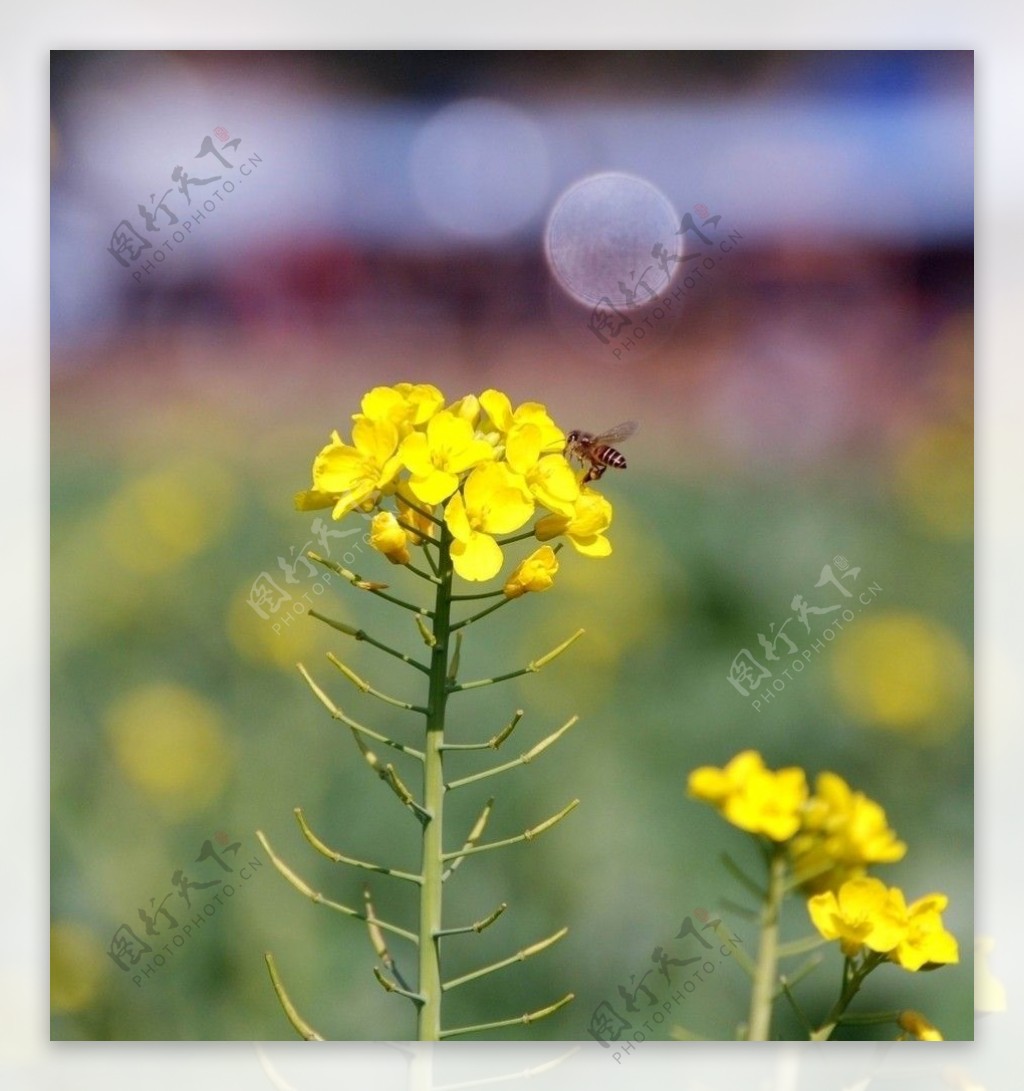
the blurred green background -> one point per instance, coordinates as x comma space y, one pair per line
813, 401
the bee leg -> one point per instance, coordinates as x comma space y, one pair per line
593, 473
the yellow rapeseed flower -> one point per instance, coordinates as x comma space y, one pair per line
535, 573
408, 446
387, 537
862, 913
437, 458
509, 423
347, 476
925, 942
585, 527
494, 500
550, 478
841, 832
405, 405
751, 796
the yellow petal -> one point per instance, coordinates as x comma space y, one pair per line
414, 452
456, 518
596, 546
376, 440
477, 558
312, 500
498, 408
436, 486
338, 469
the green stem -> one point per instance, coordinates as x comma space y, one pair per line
429, 1015
766, 969
853, 978
517, 538
483, 613
419, 572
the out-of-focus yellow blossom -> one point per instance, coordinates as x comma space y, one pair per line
915, 1024
77, 967
925, 942
405, 405
170, 743
530, 416
535, 573
863, 913
410, 512
841, 832
494, 500
387, 537
905, 672
751, 796
437, 457
349, 475
591, 517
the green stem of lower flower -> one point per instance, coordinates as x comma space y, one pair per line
766, 968
853, 977
429, 1017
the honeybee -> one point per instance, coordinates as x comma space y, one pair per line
596, 452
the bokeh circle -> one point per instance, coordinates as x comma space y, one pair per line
613, 238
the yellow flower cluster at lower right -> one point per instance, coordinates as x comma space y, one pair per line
830, 839
832, 835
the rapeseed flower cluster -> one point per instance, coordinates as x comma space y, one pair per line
830, 838
475, 470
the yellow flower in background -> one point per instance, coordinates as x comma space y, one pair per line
535, 573
494, 500
346, 476
276, 639
841, 832
170, 743
935, 475
751, 796
77, 967
905, 672
863, 913
159, 520
915, 1024
591, 517
387, 537
436, 458
925, 942
405, 405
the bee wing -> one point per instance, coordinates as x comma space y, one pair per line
618, 433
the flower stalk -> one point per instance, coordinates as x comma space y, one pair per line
766, 967
429, 1015
464, 481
